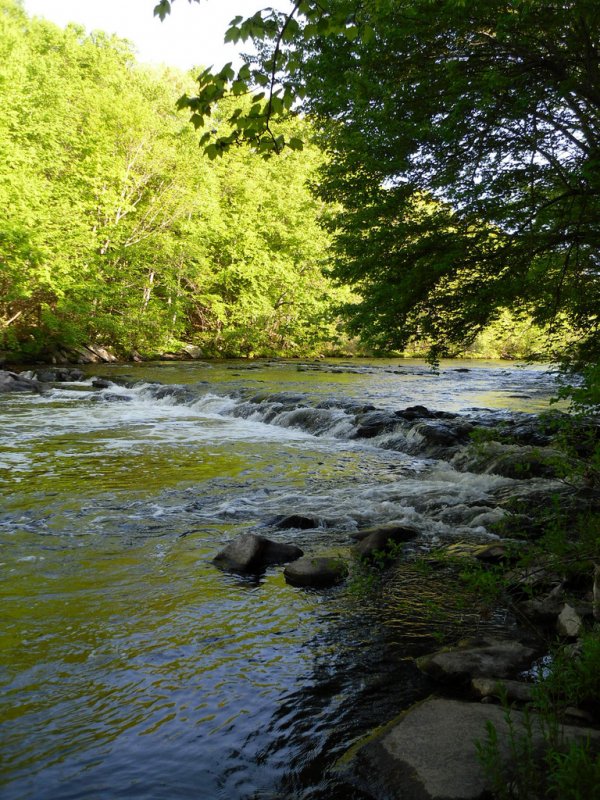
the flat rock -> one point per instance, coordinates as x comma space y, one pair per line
251, 553
486, 658
430, 753
318, 572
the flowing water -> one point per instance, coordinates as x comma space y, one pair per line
130, 666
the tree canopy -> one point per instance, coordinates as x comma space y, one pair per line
117, 231
464, 150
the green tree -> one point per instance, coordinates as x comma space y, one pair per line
117, 231
464, 138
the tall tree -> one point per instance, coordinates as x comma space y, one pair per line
465, 150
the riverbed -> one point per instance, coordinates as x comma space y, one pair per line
131, 667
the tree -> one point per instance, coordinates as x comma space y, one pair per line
117, 231
464, 143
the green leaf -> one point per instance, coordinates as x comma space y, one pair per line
162, 9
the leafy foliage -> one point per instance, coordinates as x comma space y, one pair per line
464, 139
117, 231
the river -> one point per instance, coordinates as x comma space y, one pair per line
130, 666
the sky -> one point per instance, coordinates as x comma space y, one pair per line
191, 36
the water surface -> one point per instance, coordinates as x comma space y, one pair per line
130, 666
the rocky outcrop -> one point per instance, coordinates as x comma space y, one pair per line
14, 382
430, 751
318, 572
251, 553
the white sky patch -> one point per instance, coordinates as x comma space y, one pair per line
191, 36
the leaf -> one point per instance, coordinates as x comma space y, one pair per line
162, 9
232, 34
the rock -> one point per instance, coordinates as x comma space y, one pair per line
414, 412
511, 690
569, 623
430, 751
193, 351
101, 353
543, 610
398, 531
252, 553
578, 715
373, 423
295, 521
507, 460
100, 383
497, 553
59, 375
485, 658
318, 572
444, 434
279, 552
113, 397
378, 539
13, 382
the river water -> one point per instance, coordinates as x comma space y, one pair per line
130, 666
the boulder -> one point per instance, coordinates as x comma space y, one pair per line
378, 539
569, 623
251, 553
430, 751
193, 351
100, 383
373, 423
13, 382
444, 434
487, 658
318, 572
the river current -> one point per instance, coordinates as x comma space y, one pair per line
130, 666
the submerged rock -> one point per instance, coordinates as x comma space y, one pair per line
318, 572
430, 751
295, 521
487, 658
252, 553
